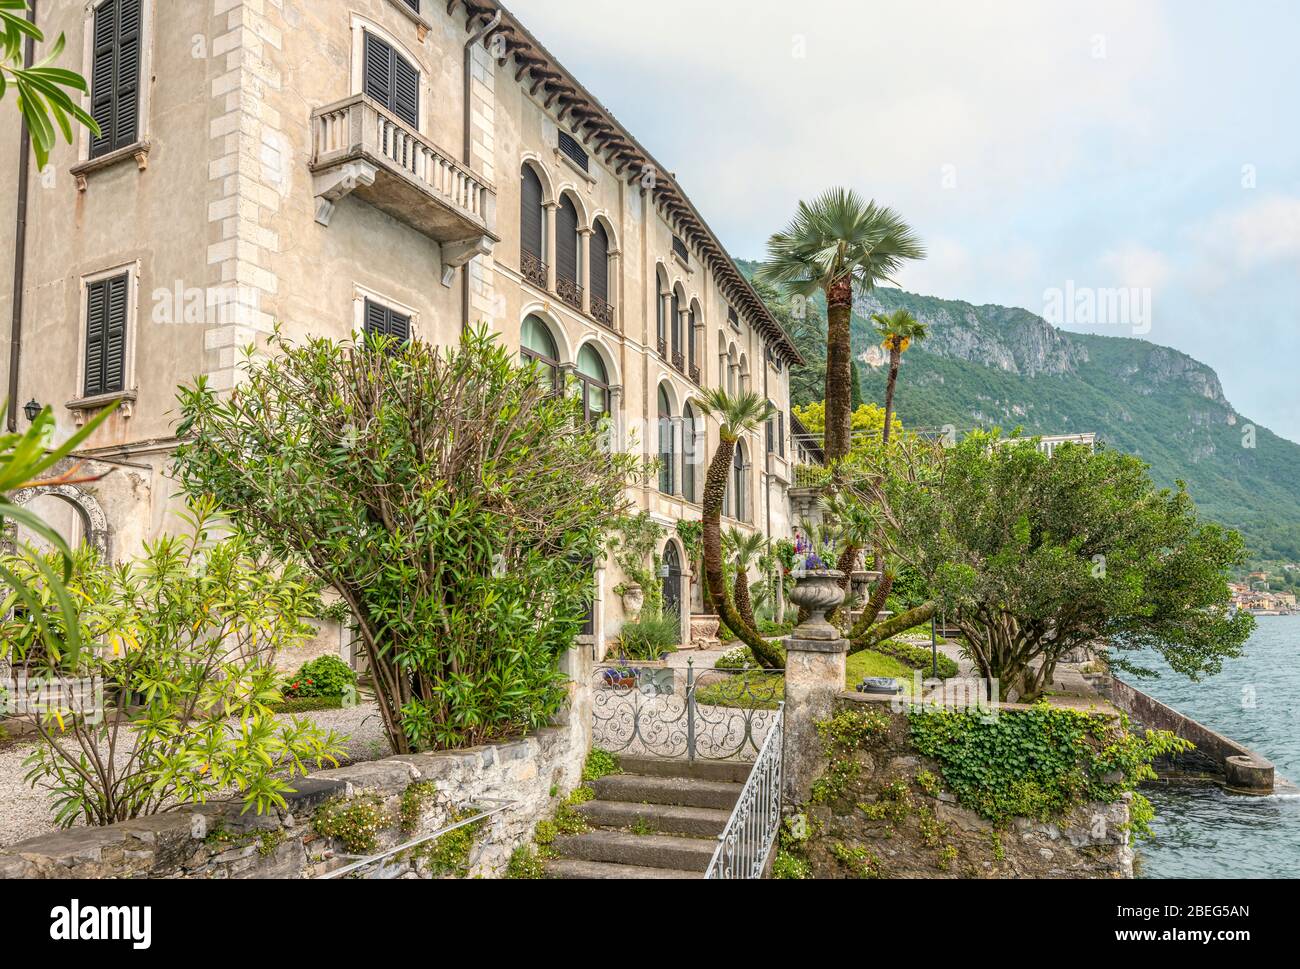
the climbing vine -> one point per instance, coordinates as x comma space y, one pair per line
1040, 763
635, 547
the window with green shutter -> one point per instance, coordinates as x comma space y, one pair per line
115, 75
106, 306
392, 80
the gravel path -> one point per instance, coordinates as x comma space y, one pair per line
25, 813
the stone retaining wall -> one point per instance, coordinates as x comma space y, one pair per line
929, 835
215, 841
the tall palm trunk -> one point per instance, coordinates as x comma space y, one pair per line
895, 360
715, 487
839, 370
744, 605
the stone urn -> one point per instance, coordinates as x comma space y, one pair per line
633, 602
819, 592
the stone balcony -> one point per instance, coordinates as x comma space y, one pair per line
364, 150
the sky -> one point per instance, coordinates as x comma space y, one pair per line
1137, 156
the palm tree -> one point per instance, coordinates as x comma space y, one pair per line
835, 241
744, 550
738, 415
899, 330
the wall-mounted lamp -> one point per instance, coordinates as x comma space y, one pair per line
32, 409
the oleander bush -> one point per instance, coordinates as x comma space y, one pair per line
449, 496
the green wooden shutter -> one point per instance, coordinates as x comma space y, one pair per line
106, 319
115, 75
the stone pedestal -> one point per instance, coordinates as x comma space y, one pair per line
815, 658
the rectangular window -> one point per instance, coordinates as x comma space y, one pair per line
771, 431
569, 145
106, 311
392, 80
733, 318
413, 4
381, 320
679, 247
115, 76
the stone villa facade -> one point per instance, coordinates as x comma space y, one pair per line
414, 165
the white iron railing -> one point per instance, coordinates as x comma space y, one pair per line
747, 841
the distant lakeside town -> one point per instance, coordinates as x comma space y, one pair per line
1268, 593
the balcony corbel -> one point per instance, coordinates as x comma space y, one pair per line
331, 185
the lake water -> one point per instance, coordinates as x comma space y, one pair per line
1201, 831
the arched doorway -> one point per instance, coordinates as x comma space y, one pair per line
672, 580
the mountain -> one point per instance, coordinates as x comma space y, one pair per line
985, 366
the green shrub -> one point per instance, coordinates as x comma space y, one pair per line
457, 499
918, 658
324, 676
650, 636
189, 632
449, 854
310, 705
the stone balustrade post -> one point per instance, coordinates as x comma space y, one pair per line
815, 659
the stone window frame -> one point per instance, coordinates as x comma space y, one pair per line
361, 293
358, 27
130, 389
139, 149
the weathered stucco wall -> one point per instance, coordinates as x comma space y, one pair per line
215, 841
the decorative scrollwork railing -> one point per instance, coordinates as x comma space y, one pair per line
746, 842
602, 312
569, 291
532, 268
649, 710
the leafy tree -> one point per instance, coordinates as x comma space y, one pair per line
899, 330
834, 242
737, 415
40, 87
172, 705
1032, 556
449, 496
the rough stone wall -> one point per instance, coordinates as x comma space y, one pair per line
890, 826
215, 841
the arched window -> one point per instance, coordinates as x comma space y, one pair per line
538, 346
566, 253
661, 311
677, 330
738, 482
690, 346
731, 370
690, 452
594, 382
599, 264
667, 464
532, 229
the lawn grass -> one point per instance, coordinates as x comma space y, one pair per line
762, 691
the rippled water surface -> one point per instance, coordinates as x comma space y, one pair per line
1203, 832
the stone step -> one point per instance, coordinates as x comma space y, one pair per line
689, 822
681, 791
567, 868
644, 850
730, 771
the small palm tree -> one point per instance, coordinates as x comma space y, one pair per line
837, 240
745, 550
899, 330
737, 415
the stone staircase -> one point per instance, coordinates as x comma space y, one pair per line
657, 819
